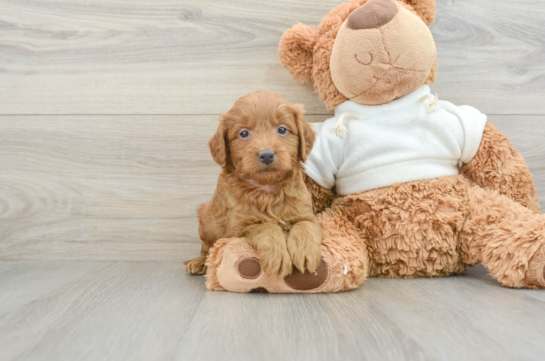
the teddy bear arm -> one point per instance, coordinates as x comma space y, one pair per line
321, 197
499, 166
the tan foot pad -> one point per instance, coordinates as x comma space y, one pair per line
233, 265
535, 276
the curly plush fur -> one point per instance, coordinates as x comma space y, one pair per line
435, 227
498, 165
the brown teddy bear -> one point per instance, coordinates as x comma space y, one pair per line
405, 185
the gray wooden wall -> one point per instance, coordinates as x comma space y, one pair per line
106, 107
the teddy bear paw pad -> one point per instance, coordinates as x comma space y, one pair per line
307, 281
249, 268
535, 277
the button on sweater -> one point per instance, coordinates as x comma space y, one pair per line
392, 143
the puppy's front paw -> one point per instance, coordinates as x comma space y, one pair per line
270, 242
196, 266
304, 247
275, 260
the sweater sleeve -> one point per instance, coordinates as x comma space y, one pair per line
322, 163
473, 123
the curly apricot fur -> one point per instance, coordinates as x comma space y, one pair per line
259, 201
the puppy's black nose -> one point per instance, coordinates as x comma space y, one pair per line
266, 156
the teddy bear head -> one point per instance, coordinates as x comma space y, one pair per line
367, 51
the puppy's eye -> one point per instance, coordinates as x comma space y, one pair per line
244, 134
282, 131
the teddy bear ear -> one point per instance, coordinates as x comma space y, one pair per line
425, 9
296, 51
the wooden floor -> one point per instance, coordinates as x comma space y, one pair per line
92, 311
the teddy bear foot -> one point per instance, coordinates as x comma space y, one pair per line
234, 265
535, 276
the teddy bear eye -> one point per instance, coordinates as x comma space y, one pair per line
244, 134
282, 130
364, 58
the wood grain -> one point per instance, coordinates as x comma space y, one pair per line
127, 187
197, 57
154, 311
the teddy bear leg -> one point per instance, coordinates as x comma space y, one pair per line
507, 238
234, 265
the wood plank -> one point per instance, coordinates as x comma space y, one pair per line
118, 185
491, 54
108, 311
127, 187
21, 282
197, 57
153, 311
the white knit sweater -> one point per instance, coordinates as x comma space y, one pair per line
395, 142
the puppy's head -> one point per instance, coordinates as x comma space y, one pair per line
262, 137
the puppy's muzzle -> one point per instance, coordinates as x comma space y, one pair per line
266, 156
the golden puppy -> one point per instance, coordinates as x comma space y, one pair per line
261, 196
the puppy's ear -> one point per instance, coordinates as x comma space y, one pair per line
219, 144
425, 9
304, 131
296, 51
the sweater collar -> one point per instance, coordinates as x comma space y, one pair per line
374, 110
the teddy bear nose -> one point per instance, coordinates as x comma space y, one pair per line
266, 156
372, 14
